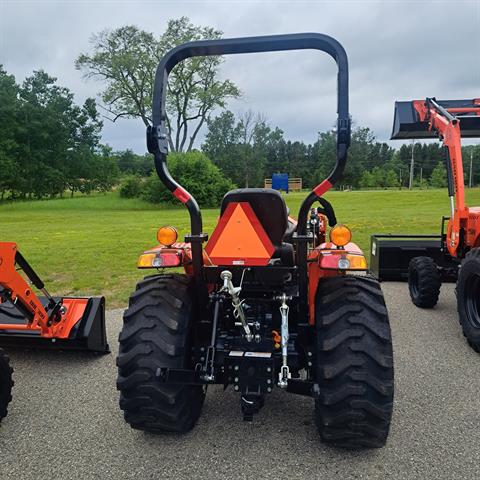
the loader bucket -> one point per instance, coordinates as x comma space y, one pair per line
407, 124
87, 330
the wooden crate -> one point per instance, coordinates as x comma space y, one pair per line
294, 184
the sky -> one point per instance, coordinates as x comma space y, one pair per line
397, 50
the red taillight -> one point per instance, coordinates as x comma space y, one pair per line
166, 259
160, 259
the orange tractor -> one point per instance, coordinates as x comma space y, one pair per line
454, 254
27, 320
268, 302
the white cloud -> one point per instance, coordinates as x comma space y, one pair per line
397, 50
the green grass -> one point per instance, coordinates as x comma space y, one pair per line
90, 245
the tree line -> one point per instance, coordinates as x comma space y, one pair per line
247, 150
51, 146
48, 144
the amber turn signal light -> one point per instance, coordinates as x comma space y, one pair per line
340, 235
167, 235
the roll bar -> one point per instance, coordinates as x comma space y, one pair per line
157, 134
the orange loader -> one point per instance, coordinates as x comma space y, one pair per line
32, 321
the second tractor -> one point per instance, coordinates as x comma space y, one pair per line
453, 254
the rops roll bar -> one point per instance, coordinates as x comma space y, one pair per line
157, 134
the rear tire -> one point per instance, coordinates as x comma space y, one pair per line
156, 333
354, 363
6, 383
468, 298
424, 282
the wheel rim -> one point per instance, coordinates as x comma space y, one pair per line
472, 300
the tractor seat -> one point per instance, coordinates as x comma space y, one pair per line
271, 211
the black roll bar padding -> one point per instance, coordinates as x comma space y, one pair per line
157, 134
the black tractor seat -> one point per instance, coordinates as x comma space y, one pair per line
271, 211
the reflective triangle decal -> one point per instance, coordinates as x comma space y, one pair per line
239, 238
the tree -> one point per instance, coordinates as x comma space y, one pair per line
438, 179
131, 163
126, 59
367, 180
221, 143
47, 142
471, 155
105, 170
391, 178
9, 130
197, 174
325, 154
240, 147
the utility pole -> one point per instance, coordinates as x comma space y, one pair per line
400, 175
421, 175
412, 162
471, 168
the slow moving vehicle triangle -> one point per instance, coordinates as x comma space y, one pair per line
239, 238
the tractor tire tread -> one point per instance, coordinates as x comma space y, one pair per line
156, 335
470, 331
354, 361
428, 282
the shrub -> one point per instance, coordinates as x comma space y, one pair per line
438, 179
197, 174
131, 187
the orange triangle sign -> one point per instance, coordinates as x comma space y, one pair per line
239, 238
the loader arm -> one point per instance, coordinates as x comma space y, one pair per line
16, 290
447, 126
71, 322
446, 123
450, 120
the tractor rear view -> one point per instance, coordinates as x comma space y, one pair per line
453, 254
269, 302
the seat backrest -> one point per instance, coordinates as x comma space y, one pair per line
269, 207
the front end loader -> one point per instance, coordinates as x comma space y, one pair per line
31, 321
265, 302
28, 320
453, 254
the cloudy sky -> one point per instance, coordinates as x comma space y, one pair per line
397, 49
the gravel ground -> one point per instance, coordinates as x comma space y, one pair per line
64, 421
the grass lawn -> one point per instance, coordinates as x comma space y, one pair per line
90, 245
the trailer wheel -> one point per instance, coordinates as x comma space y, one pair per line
424, 282
354, 363
6, 383
468, 297
155, 334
